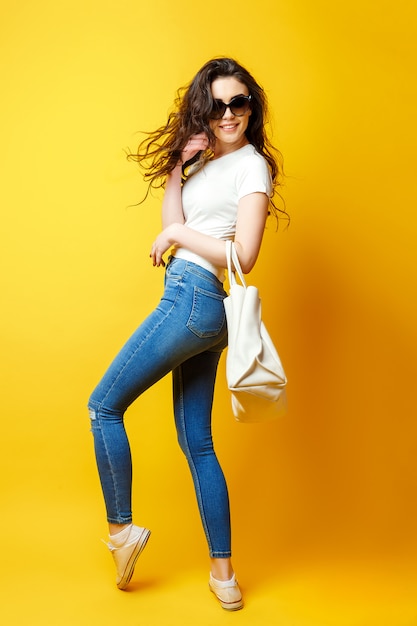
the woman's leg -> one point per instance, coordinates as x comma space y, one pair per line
188, 320
149, 354
193, 386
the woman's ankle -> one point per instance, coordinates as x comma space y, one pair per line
221, 569
114, 529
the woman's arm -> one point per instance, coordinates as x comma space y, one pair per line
172, 203
251, 218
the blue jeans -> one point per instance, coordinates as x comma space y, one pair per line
185, 334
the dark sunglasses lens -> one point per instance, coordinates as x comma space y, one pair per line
218, 110
239, 105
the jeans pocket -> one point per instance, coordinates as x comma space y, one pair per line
207, 314
173, 271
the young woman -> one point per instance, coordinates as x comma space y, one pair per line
219, 172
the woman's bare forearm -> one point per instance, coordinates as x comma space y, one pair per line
172, 204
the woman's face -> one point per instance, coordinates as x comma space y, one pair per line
230, 129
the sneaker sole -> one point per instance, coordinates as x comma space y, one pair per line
228, 606
130, 567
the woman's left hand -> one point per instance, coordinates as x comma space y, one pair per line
164, 241
195, 144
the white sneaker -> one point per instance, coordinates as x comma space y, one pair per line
227, 592
125, 556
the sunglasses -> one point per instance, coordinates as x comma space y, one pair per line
239, 105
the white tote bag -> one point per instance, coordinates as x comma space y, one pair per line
254, 372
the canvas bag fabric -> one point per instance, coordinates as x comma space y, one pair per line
254, 372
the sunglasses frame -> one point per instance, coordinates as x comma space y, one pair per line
219, 112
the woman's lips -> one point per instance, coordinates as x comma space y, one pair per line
228, 127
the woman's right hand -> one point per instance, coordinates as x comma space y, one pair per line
172, 203
196, 143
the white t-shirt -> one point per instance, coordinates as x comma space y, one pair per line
210, 197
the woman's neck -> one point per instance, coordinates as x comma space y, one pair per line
221, 148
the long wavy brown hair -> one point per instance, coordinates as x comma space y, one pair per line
159, 152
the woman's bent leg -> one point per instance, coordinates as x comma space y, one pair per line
148, 355
193, 384
188, 320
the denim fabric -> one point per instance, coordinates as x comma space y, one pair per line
185, 334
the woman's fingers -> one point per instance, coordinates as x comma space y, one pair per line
156, 256
195, 144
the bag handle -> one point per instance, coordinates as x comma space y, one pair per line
231, 257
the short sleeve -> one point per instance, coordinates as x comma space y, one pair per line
253, 176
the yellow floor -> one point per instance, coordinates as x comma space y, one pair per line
68, 580
60, 593
57, 572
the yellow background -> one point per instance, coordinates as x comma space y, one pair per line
324, 501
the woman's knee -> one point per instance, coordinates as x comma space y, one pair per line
99, 412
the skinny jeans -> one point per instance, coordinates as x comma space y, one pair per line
185, 334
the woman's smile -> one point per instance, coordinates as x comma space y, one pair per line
228, 127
